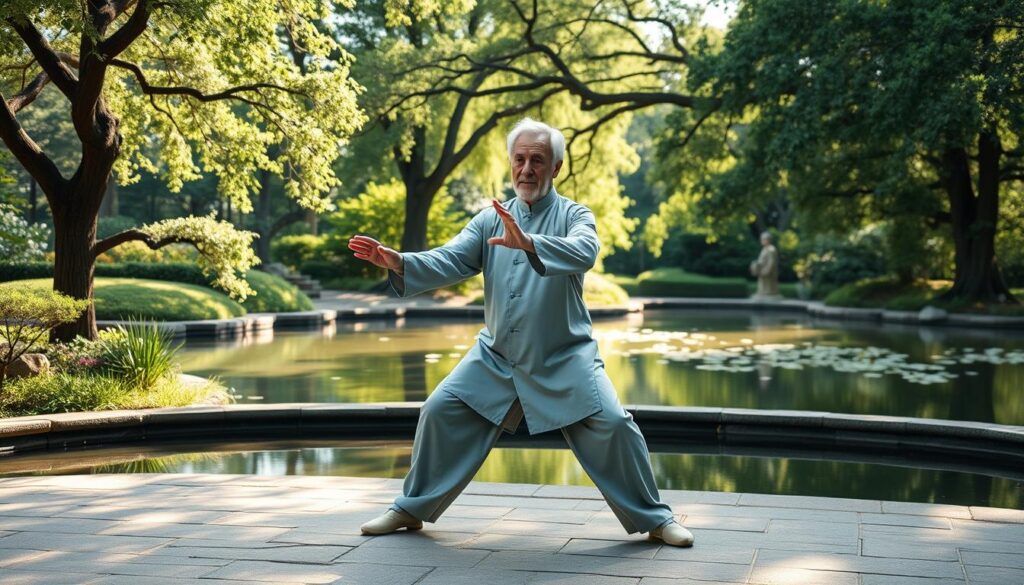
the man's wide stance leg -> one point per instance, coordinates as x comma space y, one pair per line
612, 450
450, 445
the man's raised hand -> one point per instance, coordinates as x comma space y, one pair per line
369, 249
514, 237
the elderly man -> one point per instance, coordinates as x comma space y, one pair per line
534, 359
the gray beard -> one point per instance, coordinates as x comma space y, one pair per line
545, 188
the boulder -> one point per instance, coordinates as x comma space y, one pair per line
29, 364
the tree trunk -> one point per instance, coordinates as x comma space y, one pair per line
417, 209
74, 230
974, 218
262, 218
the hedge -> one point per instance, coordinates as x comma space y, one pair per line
674, 282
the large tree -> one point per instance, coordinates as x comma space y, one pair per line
157, 85
444, 86
909, 111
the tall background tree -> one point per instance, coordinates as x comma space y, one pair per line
157, 86
907, 112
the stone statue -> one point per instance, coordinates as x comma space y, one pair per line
766, 269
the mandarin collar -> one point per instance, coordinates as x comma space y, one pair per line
541, 204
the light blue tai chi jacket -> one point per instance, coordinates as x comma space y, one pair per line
536, 344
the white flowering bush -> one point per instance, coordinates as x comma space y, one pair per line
19, 241
225, 252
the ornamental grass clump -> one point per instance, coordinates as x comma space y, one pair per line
26, 318
138, 353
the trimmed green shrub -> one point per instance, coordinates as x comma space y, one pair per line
293, 251
123, 298
274, 294
674, 282
600, 290
886, 292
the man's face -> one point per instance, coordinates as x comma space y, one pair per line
532, 171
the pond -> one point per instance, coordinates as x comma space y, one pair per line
673, 470
715, 358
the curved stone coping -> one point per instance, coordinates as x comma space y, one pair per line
820, 309
1000, 445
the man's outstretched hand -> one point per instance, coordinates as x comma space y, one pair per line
514, 237
369, 249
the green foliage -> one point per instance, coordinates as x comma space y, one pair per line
675, 282
224, 250
139, 253
138, 353
65, 392
601, 291
274, 295
828, 263
294, 250
854, 110
19, 241
124, 298
887, 292
379, 212
27, 316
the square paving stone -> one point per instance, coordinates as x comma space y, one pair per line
977, 575
898, 580
11, 577
556, 516
303, 536
635, 549
727, 523
76, 542
666, 581
811, 503
55, 525
922, 509
501, 489
899, 547
857, 564
991, 559
418, 557
973, 529
938, 522
282, 553
137, 580
279, 572
505, 542
724, 552
613, 566
997, 514
791, 575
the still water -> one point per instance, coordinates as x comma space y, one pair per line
678, 358
676, 470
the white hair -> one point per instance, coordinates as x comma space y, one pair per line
555, 137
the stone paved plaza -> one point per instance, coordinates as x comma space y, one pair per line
174, 529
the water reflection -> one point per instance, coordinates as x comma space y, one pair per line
688, 471
778, 361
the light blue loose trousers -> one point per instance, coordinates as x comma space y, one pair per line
452, 441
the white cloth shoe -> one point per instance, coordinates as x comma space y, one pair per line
673, 534
391, 521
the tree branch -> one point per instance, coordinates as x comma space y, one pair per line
28, 153
29, 94
59, 73
230, 93
134, 235
123, 37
